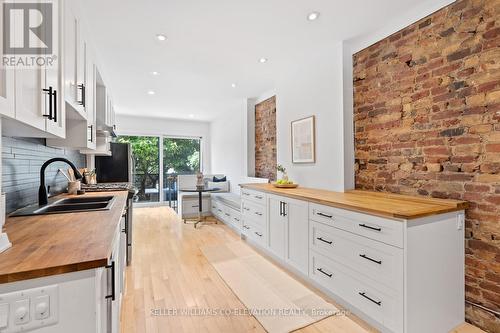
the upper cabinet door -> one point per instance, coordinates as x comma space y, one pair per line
32, 100
54, 76
81, 70
7, 83
70, 59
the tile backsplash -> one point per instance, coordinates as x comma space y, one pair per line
22, 159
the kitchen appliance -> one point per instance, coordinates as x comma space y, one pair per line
114, 173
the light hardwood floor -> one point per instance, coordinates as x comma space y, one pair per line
169, 271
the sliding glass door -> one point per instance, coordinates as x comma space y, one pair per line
180, 156
157, 162
146, 171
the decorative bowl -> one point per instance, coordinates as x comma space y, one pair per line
284, 185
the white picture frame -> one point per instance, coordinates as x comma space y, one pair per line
303, 137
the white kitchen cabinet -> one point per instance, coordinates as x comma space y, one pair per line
288, 231
7, 85
277, 225
399, 275
38, 109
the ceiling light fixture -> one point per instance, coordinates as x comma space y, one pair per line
155, 73
151, 92
313, 16
191, 116
161, 37
262, 60
233, 85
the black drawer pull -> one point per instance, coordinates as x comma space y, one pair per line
258, 234
371, 228
236, 219
259, 197
325, 215
247, 194
257, 213
113, 287
368, 258
379, 303
246, 227
228, 214
247, 209
324, 241
322, 271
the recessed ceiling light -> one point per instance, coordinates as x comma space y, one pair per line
313, 16
233, 85
151, 92
155, 73
262, 60
191, 116
161, 37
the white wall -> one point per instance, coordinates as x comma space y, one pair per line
135, 125
228, 139
322, 86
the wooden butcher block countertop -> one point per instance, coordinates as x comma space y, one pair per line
44, 245
388, 205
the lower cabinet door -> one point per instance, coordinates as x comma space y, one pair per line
297, 234
277, 224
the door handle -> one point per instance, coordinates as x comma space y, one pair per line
324, 241
49, 93
371, 259
325, 273
325, 215
54, 94
379, 303
112, 267
369, 227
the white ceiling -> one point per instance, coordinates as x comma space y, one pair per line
212, 44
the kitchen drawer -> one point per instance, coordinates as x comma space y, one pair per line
255, 196
377, 261
374, 227
254, 212
254, 232
382, 305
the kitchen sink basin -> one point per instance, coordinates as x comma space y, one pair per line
83, 200
69, 205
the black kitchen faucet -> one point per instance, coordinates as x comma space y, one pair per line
42, 191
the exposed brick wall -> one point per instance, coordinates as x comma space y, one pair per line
427, 122
265, 139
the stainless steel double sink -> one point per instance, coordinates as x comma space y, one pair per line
69, 205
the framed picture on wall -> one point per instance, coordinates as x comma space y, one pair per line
304, 140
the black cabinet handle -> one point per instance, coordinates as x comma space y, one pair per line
49, 93
257, 213
113, 295
246, 227
324, 241
325, 215
247, 209
284, 209
281, 208
258, 234
247, 194
368, 258
91, 127
228, 214
325, 273
371, 228
82, 88
54, 94
379, 303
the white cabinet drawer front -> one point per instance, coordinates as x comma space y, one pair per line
255, 196
254, 212
374, 300
377, 228
254, 232
378, 261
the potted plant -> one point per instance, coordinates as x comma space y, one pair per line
284, 181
